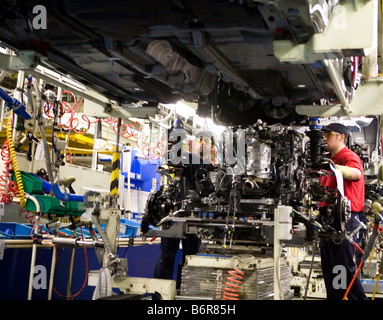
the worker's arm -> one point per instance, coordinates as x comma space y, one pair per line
349, 173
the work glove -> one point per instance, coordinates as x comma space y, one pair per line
345, 170
145, 224
376, 208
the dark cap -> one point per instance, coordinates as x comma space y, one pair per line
337, 127
368, 203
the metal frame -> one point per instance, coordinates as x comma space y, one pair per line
367, 101
352, 30
137, 285
95, 104
282, 219
258, 262
349, 19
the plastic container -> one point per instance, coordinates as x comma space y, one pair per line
14, 230
129, 228
369, 285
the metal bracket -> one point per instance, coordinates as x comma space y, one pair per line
342, 37
95, 104
166, 288
351, 31
107, 109
367, 101
23, 60
137, 285
177, 230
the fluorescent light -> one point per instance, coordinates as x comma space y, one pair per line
211, 126
60, 78
187, 112
184, 110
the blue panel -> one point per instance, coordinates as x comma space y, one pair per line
14, 270
14, 230
144, 172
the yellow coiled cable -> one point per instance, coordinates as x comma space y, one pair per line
16, 170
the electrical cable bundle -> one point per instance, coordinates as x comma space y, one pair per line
366, 253
86, 272
64, 110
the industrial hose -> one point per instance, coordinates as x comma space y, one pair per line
97, 223
311, 268
370, 244
165, 119
42, 131
16, 169
376, 209
104, 285
378, 278
366, 253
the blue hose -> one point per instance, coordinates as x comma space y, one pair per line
66, 196
15, 105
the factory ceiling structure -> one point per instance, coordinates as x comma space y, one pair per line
230, 58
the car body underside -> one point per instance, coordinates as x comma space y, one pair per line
218, 54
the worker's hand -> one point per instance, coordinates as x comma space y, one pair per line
346, 172
325, 165
349, 173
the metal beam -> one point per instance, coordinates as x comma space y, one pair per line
95, 104
366, 102
104, 110
137, 285
23, 60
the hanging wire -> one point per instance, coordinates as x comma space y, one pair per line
68, 119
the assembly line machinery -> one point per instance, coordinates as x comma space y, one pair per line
264, 193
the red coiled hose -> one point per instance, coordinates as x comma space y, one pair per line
69, 156
8, 188
72, 123
233, 284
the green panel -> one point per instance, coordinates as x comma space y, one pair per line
32, 185
49, 204
53, 205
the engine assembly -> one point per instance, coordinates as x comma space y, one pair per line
263, 170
